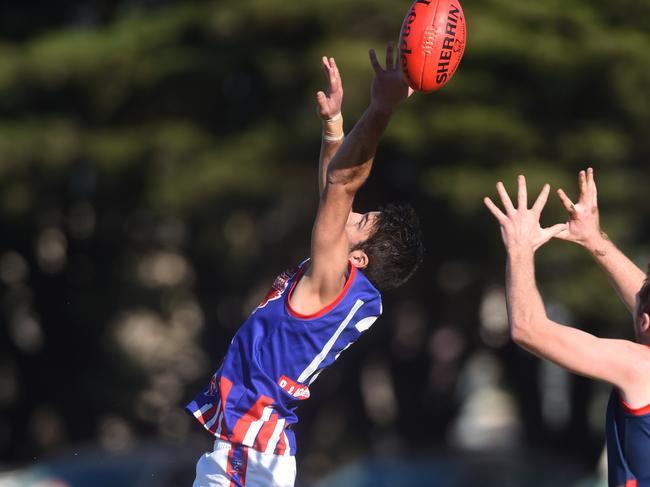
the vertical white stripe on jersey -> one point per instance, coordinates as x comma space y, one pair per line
275, 436
217, 433
311, 368
255, 426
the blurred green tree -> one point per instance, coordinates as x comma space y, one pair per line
158, 167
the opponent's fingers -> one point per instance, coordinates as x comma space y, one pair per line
374, 62
522, 193
495, 210
541, 200
389, 56
566, 202
505, 199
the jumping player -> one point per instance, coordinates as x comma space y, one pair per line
314, 311
624, 364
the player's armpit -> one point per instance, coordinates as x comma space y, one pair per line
622, 363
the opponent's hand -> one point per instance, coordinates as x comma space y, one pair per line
520, 227
388, 88
328, 102
584, 222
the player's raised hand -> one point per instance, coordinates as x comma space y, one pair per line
520, 227
584, 222
329, 101
389, 87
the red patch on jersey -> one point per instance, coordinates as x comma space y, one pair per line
299, 391
278, 288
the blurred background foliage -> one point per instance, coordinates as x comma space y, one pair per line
158, 169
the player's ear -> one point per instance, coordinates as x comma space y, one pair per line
645, 322
359, 258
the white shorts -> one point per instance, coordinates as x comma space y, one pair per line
239, 466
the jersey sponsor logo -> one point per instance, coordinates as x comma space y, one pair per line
278, 287
299, 391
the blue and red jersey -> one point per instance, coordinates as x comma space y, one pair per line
628, 443
274, 358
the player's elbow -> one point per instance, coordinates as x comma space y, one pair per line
529, 329
521, 332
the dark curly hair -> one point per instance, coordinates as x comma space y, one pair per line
394, 248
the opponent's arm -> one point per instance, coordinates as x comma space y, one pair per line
619, 362
346, 173
329, 110
583, 228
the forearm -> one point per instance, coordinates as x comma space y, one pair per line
332, 139
526, 309
568, 347
625, 276
352, 163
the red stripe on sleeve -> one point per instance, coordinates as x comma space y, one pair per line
207, 415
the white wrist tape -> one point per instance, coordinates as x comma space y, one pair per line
333, 128
334, 118
333, 138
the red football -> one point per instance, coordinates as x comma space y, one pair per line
432, 43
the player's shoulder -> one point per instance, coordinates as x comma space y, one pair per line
283, 283
636, 356
635, 359
305, 301
638, 352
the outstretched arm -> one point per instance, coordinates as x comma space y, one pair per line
329, 110
583, 228
347, 172
619, 362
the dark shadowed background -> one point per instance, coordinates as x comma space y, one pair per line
158, 169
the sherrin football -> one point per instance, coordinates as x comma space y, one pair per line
432, 43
